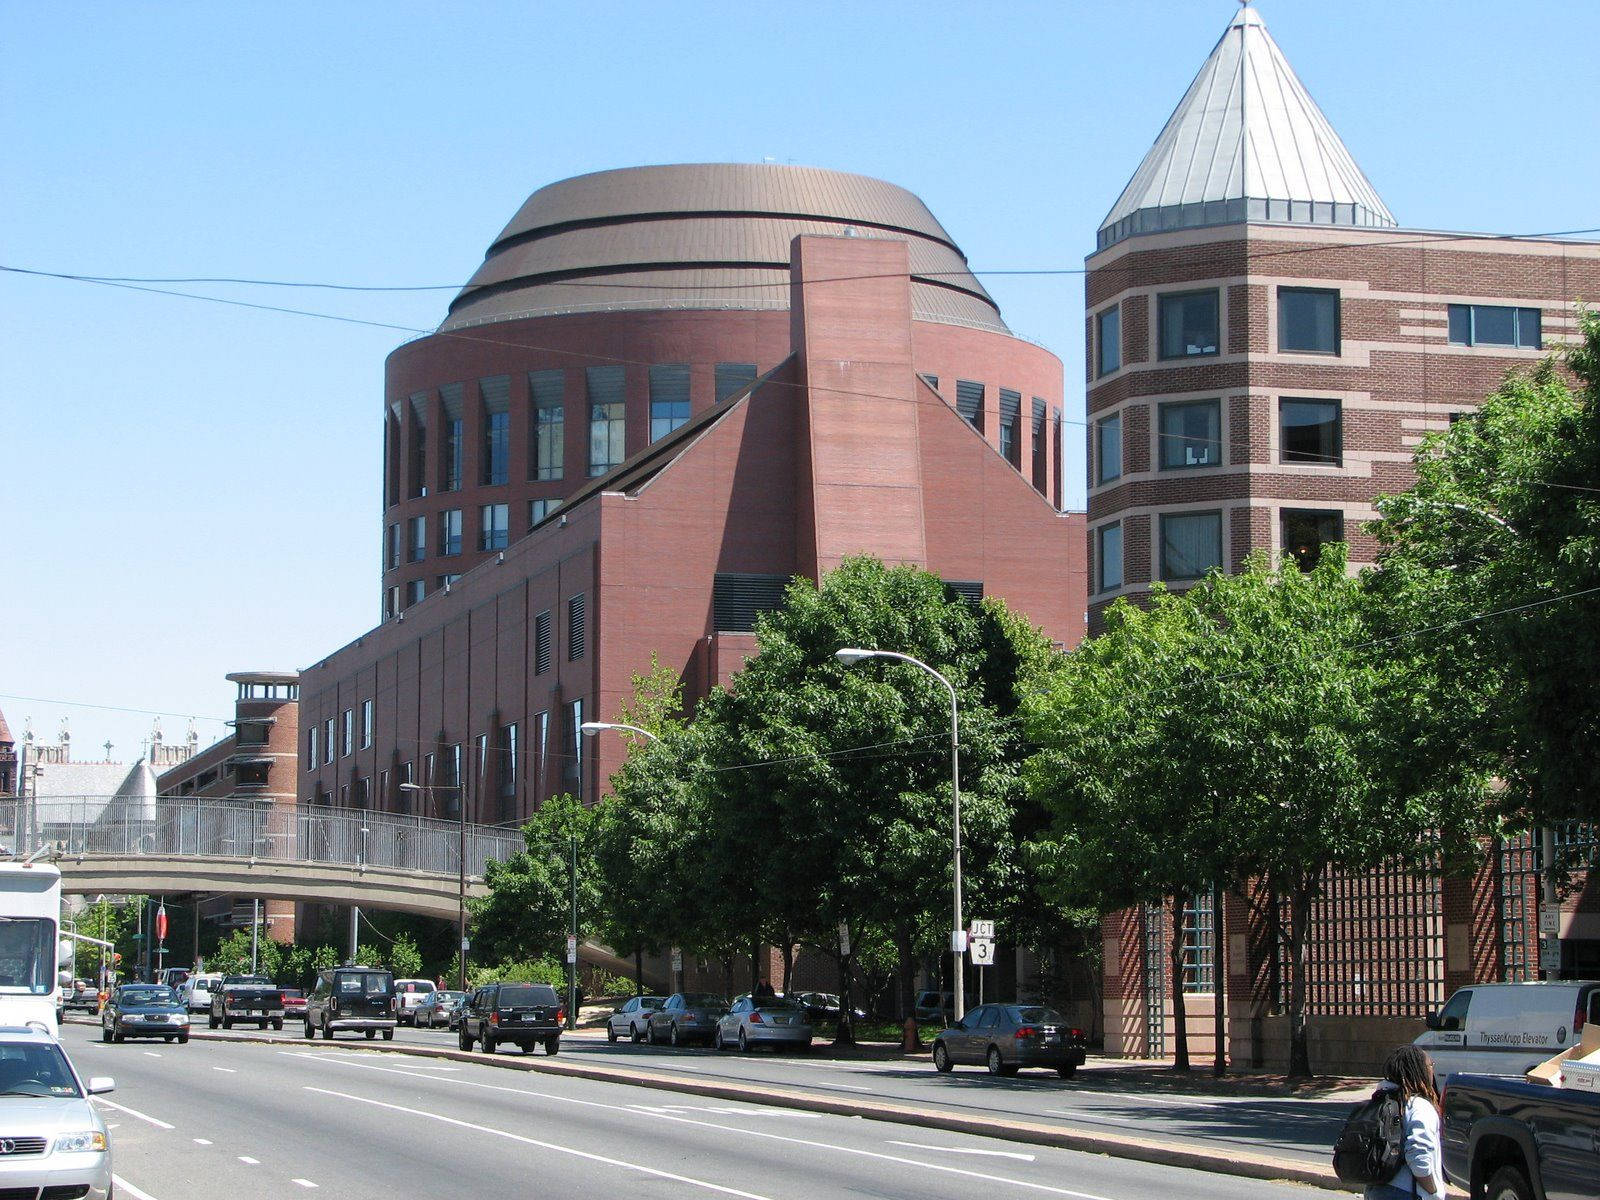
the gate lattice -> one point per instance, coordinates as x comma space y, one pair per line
1155, 982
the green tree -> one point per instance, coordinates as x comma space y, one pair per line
1496, 551
528, 910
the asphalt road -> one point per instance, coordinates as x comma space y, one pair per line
282, 1119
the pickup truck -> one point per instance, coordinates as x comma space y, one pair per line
1507, 1139
246, 998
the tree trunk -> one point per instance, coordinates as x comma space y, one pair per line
1299, 929
904, 976
755, 961
846, 1035
638, 970
788, 962
1180, 1020
1219, 984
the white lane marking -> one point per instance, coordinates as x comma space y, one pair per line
248, 1161
151, 1054
305, 1183
967, 1150
202, 1141
225, 1070
132, 1112
124, 1186
726, 1111
552, 1146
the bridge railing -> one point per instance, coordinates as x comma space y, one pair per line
188, 827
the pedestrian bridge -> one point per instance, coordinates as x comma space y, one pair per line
267, 849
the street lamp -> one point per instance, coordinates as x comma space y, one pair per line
461, 869
850, 656
590, 728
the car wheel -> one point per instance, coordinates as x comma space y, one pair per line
552, 1046
1068, 1071
117, 1036
211, 1019
673, 1036
277, 1024
327, 1030
105, 1033
371, 1033
488, 1043
941, 1059
227, 1021
650, 1033
388, 1035
744, 1043
310, 1032
997, 1065
611, 1032
463, 1041
717, 1042
1508, 1183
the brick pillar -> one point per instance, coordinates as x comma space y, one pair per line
1122, 934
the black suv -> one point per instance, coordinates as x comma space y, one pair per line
525, 1014
360, 999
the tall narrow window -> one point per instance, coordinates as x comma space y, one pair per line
1191, 544
1041, 444
391, 602
1108, 340
1189, 324
416, 589
311, 748
391, 455
1304, 532
669, 398
347, 732
366, 724
541, 643
969, 402
417, 541
1108, 556
1108, 449
539, 769
450, 531
391, 547
1308, 321
417, 469
404, 773
575, 627
1191, 435
607, 418
494, 526
1309, 432
327, 742
1199, 944
574, 748
549, 423
1010, 425
508, 760
494, 463
452, 438
733, 378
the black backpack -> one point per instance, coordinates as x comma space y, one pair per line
1371, 1146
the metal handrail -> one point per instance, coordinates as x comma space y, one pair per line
258, 830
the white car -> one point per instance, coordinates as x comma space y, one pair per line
54, 1140
195, 992
632, 1017
411, 993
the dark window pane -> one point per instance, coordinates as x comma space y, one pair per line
733, 378
1305, 533
1189, 324
969, 402
1191, 544
1309, 432
607, 418
1461, 324
1528, 335
1110, 557
1191, 435
1108, 450
1308, 321
669, 398
1108, 339
1493, 325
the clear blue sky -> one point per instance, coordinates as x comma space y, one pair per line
190, 489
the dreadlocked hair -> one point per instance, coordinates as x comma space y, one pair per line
1411, 1070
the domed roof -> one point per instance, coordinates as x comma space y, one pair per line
699, 236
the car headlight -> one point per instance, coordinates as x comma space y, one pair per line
181, 1019
78, 1143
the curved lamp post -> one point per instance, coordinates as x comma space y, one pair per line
593, 727
851, 655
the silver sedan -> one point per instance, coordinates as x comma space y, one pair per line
632, 1017
54, 1138
751, 1023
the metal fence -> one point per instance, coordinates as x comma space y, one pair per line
186, 827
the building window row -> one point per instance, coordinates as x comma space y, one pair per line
1495, 325
1191, 544
1310, 433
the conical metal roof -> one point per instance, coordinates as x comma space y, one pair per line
1246, 143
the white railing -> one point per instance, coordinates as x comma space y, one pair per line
187, 827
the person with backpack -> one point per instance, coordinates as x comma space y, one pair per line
1391, 1142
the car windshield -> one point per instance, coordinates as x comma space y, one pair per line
413, 987
35, 1069
527, 994
146, 995
27, 955
365, 983
1040, 1016
651, 1002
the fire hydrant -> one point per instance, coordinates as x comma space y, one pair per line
910, 1041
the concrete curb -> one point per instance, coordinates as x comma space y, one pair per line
1174, 1154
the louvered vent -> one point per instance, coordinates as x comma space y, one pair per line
738, 599
541, 643
575, 628
969, 402
969, 590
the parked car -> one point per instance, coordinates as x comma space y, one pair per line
629, 1018
144, 1010
934, 1008
686, 1017
246, 998
80, 997
357, 999
196, 991
1506, 1028
1005, 1037
751, 1023
1507, 1139
412, 992
824, 1006
55, 1142
440, 1007
524, 1014
294, 1003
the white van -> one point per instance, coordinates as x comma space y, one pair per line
1506, 1028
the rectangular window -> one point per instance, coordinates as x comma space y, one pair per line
494, 465
575, 627
1199, 944
415, 591
311, 748
669, 398
541, 643
391, 553
1308, 321
360, 792
416, 539
453, 438
403, 774
1191, 544
1495, 325
1189, 324
969, 402
1191, 435
1305, 532
451, 791
391, 602
508, 760
366, 724
548, 452
450, 532
347, 733
1108, 449
1309, 432
574, 748
384, 795
430, 776
1108, 556
538, 510
442, 582
417, 469
1108, 340
481, 762
1010, 424
1041, 461
494, 526
607, 418
733, 378
327, 741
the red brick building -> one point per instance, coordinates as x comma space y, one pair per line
667, 391
1265, 348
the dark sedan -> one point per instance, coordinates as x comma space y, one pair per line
144, 1010
1006, 1037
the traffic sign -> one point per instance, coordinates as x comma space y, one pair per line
982, 952
983, 929
677, 959
572, 949
1550, 921
958, 941
844, 938
1550, 954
